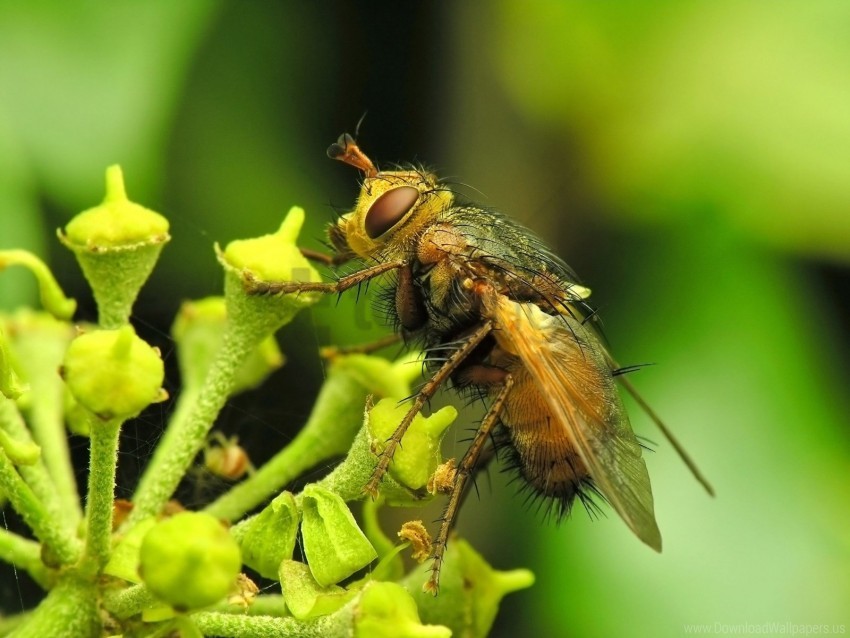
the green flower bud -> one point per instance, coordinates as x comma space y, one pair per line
189, 561
470, 591
198, 330
52, 297
334, 545
269, 537
113, 373
304, 597
416, 459
117, 245
265, 259
386, 610
117, 222
273, 257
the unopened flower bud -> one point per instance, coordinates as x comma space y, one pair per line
117, 245
189, 561
113, 373
273, 257
418, 456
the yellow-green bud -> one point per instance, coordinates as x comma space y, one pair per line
334, 545
304, 597
117, 222
386, 610
273, 257
269, 537
189, 561
198, 330
117, 245
418, 456
470, 591
113, 373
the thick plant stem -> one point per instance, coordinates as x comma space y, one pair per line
213, 623
186, 436
101, 490
61, 545
70, 609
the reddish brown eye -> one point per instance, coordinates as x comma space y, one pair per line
389, 208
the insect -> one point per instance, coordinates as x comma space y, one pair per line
498, 314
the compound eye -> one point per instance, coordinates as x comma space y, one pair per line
389, 208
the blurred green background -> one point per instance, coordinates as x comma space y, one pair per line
690, 160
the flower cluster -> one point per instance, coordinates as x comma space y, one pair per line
149, 567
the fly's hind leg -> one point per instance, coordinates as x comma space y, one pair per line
464, 472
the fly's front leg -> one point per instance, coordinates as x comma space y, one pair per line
419, 401
255, 286
464, 472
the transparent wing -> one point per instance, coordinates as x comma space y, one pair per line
570, 368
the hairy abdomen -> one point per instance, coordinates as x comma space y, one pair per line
544, 453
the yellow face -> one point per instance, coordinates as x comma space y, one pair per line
393, 208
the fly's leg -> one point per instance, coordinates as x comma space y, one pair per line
323, 258
464, 472
254, 286
331, 352
419, 401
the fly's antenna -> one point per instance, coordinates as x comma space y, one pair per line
667, 434
345, 149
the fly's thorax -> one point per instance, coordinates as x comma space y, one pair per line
393, 209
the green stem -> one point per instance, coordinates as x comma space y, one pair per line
101, 491
23, 553
10, 624
186, 436
337, 414
305, 451
70, 609
40, 344
48, 426
213, 623
60, 545
36, 475
125, 603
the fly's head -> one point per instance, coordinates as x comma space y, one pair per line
393, 207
